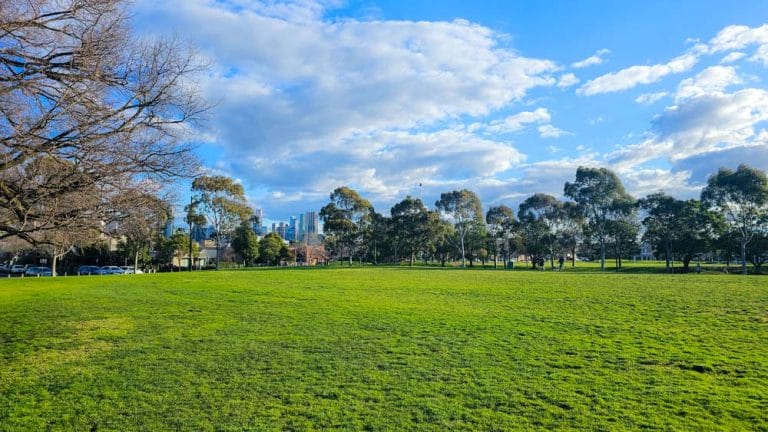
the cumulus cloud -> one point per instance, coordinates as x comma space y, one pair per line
636, 75
366, 102
736, 37
594, 59
713, 79
733, 57
650, 98
567, 80
549, 131
517, 122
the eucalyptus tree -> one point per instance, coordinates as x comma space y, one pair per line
741, 196
409, 220
465, 211
661, 222
223, 203
346, 219
143, 218
547, 217
501, 224
602, 198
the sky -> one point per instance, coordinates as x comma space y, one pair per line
506, 98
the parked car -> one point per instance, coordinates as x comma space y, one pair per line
89, 270
110, 270
18, 269
38, 271
128, 270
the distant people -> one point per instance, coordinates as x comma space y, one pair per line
561, 262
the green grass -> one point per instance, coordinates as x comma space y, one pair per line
384, 349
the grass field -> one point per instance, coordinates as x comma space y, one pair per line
384, 349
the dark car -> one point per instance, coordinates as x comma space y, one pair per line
112, 270
38, 271
89, 270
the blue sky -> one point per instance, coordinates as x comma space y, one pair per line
505, 98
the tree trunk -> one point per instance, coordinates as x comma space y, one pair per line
667, 254
218, 246
743, 257
53, 265
552, 261
602, 254
463, 262
495, 261
686, 262
135, 261
573, 257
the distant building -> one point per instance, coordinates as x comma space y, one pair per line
310, 227
168, 229
646, 251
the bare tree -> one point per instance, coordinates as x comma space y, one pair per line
108, 110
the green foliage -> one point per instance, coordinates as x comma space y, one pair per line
384, 349
176, 247
410, 227
246, 243
601, 197
346, 221
272, 249
741, 196
464, 209
223, 202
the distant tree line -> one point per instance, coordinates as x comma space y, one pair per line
598, 219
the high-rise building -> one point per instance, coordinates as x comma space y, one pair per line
309, 227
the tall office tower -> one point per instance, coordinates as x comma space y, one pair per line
282, 229
302, 231
258, 218
292, 232
311, 227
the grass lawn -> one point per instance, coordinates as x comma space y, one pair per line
384, 349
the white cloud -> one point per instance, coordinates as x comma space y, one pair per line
349, 101
761, 55
567, 80
518, 121
733, 57
736, 37
549, 131
713, 79
650, 98
594, 59
636, 75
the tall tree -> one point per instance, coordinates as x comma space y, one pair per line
346, 219
194, 219
143, 217
245, 243
109, 110
223, 203
602, 198
549, 214
501, 222
464, 209
661, 222
409, 219
742, 197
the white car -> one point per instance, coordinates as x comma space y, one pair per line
131, 270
